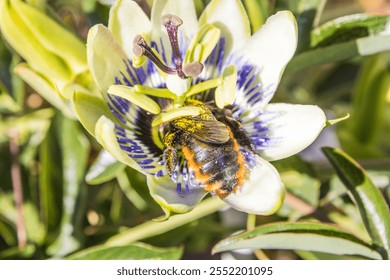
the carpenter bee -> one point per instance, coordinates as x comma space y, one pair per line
212, 144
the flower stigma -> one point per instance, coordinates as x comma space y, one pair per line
171, 23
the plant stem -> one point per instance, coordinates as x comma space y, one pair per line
250, 225
251, 222
152, 228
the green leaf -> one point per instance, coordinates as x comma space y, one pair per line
369, 102
34, 227
299, 236
74, 155
342, 51
53, 37
7, 103
44, 87
5, 61
103, 169
19, 35
126, 185
373, 208
13, 253
258, 12
344, 38
348, 28
50, 185
137, 251
308, 13
7, 233
199, 6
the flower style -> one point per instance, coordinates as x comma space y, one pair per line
56, 62
186, 102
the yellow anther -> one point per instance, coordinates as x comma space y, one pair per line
225, 94
136, 98
203, 43
177, 113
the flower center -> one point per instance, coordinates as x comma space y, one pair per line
171, 24
180, 85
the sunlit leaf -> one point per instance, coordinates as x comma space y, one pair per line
31, 127
344, 38
299, 236
44, 87
372, 206
7, 103
342, 51
258, 12
348, 28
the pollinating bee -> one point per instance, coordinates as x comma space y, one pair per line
213, 146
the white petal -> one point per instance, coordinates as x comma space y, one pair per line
89, 109
272, 47
126, 21
229, 16
294, 128
105, 57
184, 9
163, 191
105, 135
262, 193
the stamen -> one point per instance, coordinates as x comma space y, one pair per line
140, 47
136, 98
157, 92
193, 69
171, 23
176, 113
204, 86
225, 94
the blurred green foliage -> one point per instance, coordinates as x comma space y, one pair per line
77, 202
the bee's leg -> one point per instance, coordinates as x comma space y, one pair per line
170, 152
170, 158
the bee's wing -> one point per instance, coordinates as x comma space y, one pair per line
204, 129
212, 131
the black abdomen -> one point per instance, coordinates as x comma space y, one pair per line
218, 164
